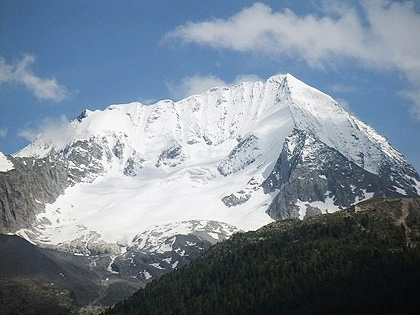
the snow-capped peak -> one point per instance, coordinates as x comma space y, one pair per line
220, 116
205, 157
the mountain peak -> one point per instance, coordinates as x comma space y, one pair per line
221, 115
209, 156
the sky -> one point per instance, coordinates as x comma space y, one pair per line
59, 57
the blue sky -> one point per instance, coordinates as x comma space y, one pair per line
60, 57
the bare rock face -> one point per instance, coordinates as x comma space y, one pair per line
36, 181
85, 158
25, 190
242, 155
172, 156
308, 171
133, 164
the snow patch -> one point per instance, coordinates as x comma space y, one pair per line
146, 274
180, 252
109, 268
5, 164
400, 190
417, 187
366, 195
157, 266
327, 206
214, 235
27, 235
162, 238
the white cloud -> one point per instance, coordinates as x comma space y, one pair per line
413, 94
343, 103
199, 84
147, 101
379, 34
3, 132
194, 85
51, 130
340, 88
20, 73
246, 78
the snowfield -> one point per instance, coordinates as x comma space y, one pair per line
119, 207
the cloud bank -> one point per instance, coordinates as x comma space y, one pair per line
58, 131
20, 73
378, 34
199, 84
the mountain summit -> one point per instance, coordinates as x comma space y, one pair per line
241, 156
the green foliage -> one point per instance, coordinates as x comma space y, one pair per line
340, 263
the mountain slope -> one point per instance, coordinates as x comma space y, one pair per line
69, 281
24, 265
215, 156
361, 260
27, 187
313, 178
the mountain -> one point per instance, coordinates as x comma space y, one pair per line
361, 260
161, 180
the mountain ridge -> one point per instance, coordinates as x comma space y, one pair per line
244, 136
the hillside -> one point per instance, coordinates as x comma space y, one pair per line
361, 260
36, 280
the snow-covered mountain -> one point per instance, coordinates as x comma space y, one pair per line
241, 156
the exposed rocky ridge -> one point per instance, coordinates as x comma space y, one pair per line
242, 155
27, 188
36, 181
308, 171
391, 166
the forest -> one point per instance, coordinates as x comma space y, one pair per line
341, 263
